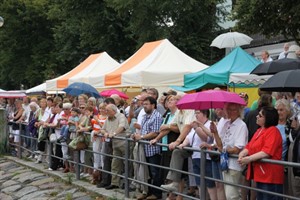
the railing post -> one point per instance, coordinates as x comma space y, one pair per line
20, 142
3, 132
127, 156
202, 175
77, 165
50, 150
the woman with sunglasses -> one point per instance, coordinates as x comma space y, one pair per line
265, 143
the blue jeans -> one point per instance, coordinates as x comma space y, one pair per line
216, 170
64, 131
154, 174
208, 172
278, 188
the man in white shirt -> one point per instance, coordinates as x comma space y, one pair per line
285, 52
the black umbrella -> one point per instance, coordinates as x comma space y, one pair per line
286, 81
276, 66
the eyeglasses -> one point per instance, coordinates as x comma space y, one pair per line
82, 107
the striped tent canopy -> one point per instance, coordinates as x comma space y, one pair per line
156, 64
90, 71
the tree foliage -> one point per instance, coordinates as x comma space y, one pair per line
270, 18
43, 39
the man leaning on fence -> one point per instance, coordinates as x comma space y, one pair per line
149, 129
116, 125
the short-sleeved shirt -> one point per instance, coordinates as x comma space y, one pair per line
183, 117
269, 141
151, 123
234, 134
111, 125
195, 141
98, 125
74, 119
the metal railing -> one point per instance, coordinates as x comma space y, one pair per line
127, 159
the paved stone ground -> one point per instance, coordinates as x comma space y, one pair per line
25, 180
18, 181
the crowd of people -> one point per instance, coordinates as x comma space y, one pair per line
266, 129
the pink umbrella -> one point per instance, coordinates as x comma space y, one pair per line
209, 99
108, 93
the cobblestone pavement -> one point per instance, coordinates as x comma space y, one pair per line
25, 180
23, 183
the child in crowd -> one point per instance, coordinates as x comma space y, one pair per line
71, 126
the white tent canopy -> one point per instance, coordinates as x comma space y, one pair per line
89, 71
246, 78
156, 64
36, 89
42, 88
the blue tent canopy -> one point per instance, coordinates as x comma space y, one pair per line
237, 61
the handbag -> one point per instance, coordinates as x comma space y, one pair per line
53, 138
78, 143
224, 160
214, 157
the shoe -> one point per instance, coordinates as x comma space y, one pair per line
110, 187
152, 197
85, 175
102, 185
38, 161
38, 152
50, 169
171, 186
141, 196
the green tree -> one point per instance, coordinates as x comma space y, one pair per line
26, 40
190, 25
86, 27
269, 18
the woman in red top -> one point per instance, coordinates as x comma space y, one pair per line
265, 143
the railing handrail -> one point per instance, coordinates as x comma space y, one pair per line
127, 159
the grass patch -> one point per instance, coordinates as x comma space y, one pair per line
26, 159
16, 173
69, 196
53, 194
70, 177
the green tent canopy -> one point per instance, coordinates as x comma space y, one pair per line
237, 61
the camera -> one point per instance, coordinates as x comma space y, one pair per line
135, 100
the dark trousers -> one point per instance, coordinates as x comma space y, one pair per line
155, 179
56, 162
42, 145
278, 188
106, 177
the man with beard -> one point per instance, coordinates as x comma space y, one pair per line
149, 130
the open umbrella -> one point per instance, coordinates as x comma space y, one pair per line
108, 93
231, 40
78, 88
209, 99
276, 66
286, 81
